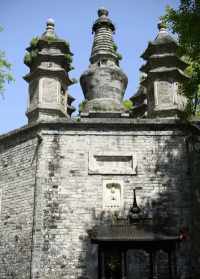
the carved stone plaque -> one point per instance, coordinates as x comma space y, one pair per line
112, 163
164, 93
112, 195
50, 90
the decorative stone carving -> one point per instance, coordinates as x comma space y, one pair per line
50, 90
112, 195
163, 93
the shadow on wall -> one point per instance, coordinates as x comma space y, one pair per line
169, 204
166, 166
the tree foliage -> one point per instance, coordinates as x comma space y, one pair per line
128, 105
5, 67
185, 22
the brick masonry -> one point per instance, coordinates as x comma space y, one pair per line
50, 199
17, 182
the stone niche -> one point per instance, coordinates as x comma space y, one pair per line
112, 195
112, 163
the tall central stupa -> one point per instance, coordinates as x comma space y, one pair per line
104, 83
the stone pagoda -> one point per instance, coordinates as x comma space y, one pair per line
49, 60
160, 92
139, 101
104, 83
67, 209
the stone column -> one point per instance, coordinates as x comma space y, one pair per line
153, 265
174, 264
123, 265
101, 263
170, 265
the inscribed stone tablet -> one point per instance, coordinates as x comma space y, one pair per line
50, 90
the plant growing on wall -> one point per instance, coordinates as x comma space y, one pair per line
184, 22
32, 51
115, 48
82, 105
128, 105
35, 45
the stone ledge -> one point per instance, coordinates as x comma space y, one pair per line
124, 124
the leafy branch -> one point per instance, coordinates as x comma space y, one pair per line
35, 45
184, 22
5, 70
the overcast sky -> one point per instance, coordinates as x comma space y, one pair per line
136, 24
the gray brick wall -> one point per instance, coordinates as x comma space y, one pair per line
17, 179
68, 199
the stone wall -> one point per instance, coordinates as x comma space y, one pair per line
70, 190
194, 160
17, 180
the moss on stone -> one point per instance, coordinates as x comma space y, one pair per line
34, 42
128, 105
82, 105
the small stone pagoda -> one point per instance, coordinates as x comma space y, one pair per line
49, 59
160, 93
104, 83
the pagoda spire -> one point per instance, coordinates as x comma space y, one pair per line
103, 45
49, 59
104, 83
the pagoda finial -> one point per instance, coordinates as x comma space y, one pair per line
103, 12
103, 20
161, 26
134, 211
50, 23
50, 28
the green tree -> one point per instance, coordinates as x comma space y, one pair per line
5, 73
185, 22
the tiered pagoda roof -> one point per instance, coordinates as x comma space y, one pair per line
163, 68
49, 59
162, 58
49, 48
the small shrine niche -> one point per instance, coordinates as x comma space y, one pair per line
112, 195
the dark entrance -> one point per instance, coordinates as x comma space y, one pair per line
112, 264
134, 233
115, 241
